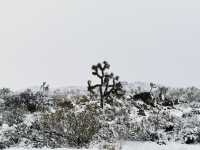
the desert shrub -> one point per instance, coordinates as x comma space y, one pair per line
115, 121
64, 103
33, 101
105, 133
4, 92
34, 136
191, 135
157, 126
52, 126
142, 131
192, 113
27, 100
110, 133
94, 108
192, 94
189, 130
73, 128
81, 127
8, 137
13, 117
135, 132
121, 131
81, 100
12, 102
54, 121
110, 146
195, 105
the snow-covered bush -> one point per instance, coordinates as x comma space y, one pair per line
110, 132
81, 127
82, 100
110, 146
142, 131
11, 135
105, 133
191, 136
75, 128
190, 132
27, 100
5, 92
34, 135
52, 128
114, 119
13, 117
37, 120
12, 102
62, 102
156, 126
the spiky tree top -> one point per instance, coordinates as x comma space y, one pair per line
109, 85
44, 87
152, 86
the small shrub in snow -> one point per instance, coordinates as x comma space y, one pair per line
142, 132
63, 102
27, 100
81, 127
52, 128
4, 92
81, 100
105, 133
13, 117
70, 127
191, 136
110, 146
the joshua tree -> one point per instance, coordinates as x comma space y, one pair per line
44, 87
109, 85
152, 85
162, 93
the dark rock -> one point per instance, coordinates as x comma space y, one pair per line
168, 102
146, 97
169, 128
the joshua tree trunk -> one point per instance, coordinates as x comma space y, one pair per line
101, 97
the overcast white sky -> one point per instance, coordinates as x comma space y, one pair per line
58, 40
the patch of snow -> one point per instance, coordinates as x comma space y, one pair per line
29, 119
52, 110
2, 101
17, 148
154, 146
132, 146
5, 127
176, 112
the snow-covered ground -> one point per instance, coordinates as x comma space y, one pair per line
121, 120
136, 146
47, 149
154, 146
